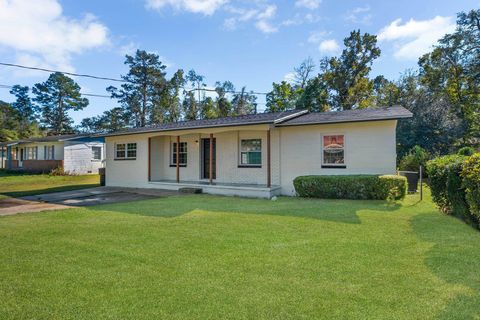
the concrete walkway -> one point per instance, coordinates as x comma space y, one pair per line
78, 198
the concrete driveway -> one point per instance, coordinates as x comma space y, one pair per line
78, 198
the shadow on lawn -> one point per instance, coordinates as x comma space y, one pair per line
330, 210
454, 258
25, 193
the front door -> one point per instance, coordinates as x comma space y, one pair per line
206, 159
22, 157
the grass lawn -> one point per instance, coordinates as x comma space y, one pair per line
22, 184
207, 257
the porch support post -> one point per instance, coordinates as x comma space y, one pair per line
178, 159
149, 159
210, 159
269, 173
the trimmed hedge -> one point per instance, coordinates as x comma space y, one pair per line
471, 184
446, 184
455, 185
365, 187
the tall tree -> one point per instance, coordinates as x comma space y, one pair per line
452, 69
144, 84
171, 97
26, 112
191, 106
281, 98
111, 120
8, 122
315, 96
244, 102
347, 76
224, 106
386, 93
208, 109
303, 73
56, 97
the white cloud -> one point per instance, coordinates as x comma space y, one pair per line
265, 26
309, 4
415, 37
41, 35
289, 77
329, 47
317, 37
206, 7
260, 16
129, 48
359, 15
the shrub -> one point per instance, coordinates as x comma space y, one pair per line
466, 151
446, 185
365, 187
58, 172
471, 183
416, 157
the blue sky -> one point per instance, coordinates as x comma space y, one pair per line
252, 43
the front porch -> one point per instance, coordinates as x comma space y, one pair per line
226, 189
224, 162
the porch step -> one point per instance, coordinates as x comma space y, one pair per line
190, 190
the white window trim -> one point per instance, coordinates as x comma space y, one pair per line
93, 154
172, 152
49, 155
339, 165
240, 164
126, 157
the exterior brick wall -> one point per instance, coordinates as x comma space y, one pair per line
41, 165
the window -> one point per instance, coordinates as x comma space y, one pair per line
97, 153
251, 152
333, 151
182, 154
49, 152
31, 153
126, 151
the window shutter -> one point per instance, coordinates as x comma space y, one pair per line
53, 152
36, 153
45, 153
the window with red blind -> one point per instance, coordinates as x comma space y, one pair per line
333, 150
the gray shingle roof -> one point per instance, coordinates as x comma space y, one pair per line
249, 119
373, 114
48, 139
285, 118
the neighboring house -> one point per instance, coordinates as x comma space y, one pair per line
255, 155
76, 154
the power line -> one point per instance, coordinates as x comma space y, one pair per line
113, 79
5, 86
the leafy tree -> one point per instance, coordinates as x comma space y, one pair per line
244, 102
26, 112
452, 70
433, 127
315, 96
8, 122
347, 76
208, 109
144, 84
190, 106
224, 106
56, 97
171, 97
386, 93
281, 98
111, 120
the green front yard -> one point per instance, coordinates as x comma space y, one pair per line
207, 257
19, 184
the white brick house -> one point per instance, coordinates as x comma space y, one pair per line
254, 155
